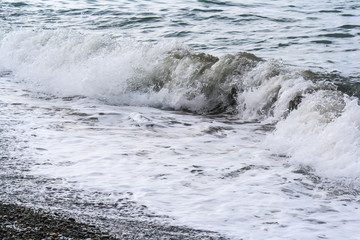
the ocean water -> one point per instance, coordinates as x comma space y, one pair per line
238, 117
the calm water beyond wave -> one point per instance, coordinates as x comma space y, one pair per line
236, 117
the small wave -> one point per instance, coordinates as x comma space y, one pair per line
349, 26
19, 4
337, 35
322, 41
330, 11
212, 2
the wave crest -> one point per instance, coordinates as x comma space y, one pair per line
166, 75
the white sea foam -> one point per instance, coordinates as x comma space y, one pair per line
322, 133
268, 93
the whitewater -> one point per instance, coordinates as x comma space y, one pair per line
241, 119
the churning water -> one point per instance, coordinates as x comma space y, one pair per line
239, 117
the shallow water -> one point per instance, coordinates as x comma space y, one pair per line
152, 102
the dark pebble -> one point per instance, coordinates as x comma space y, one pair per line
19, 222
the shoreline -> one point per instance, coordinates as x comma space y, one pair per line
35, 208
20, 222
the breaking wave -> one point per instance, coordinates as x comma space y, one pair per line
66, 63
317, 121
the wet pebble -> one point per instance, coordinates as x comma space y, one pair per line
17, 222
